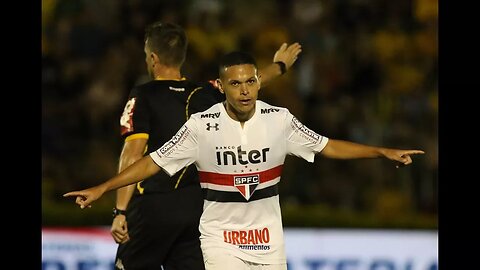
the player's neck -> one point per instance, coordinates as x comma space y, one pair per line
238, 116
167, 73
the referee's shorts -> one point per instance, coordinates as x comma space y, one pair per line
163, 230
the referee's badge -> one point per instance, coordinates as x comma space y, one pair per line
126, 120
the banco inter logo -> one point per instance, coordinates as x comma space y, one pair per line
246, 184
228, 157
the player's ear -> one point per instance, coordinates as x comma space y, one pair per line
220, 86
154, 58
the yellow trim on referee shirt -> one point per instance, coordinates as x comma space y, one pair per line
140, 188
180, 177
186, 117
165, 79
188, 101
137, 136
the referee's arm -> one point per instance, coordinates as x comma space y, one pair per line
132, 151
286, 55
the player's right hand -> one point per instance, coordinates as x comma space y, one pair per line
87, 196
119, 229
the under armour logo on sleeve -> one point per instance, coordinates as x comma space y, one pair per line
209, 126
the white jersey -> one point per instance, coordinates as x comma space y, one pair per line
239, 170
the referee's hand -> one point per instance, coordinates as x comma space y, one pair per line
288, 54
119, 229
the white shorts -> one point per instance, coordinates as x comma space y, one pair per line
222, 261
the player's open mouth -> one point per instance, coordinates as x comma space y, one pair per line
245, 101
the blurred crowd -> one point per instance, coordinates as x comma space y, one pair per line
367, 73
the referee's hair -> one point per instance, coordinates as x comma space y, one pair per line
168, 41
235, 58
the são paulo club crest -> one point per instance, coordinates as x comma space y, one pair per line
247, 184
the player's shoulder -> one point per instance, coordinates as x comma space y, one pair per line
142, 88
210, 84
271, 110
206, 95
145, 86
209, 88
213, 112
185, 86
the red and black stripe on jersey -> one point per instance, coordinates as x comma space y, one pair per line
159, 108
229, 196
215, 186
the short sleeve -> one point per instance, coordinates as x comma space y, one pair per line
302, 141
135, 116
180, 151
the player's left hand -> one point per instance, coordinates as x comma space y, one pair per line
288, 54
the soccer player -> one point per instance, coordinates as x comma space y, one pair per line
156, 221
239, 147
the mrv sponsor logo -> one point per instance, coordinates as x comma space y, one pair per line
269, 110
228, 157
210, 115
246, 184
257, 239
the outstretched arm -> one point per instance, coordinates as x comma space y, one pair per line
339, 149
285, 54
138, 171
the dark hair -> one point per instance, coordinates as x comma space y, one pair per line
236, 58
168, 41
